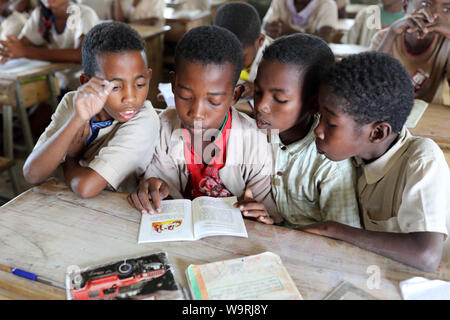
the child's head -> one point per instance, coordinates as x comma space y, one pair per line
364, 101
243, 20
208, 62
115, 52
54, 4
288, 80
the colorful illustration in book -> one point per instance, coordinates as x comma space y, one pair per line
166, 225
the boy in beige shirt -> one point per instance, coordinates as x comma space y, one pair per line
206, 147
318, 17
149, 12
403, 181
105, 131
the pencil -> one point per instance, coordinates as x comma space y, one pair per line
31, 276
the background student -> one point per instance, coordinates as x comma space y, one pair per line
318, 17
403, 181
104, 133
307, 187
421, 41
243, 20
13, 16
54, 32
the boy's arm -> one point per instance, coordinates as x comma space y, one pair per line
118, 12
422, 250
89, 100
85, 182
15, 48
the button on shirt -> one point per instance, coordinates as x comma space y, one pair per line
309, 188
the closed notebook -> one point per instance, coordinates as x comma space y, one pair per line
257, 277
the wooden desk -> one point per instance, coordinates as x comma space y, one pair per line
154, 39
48, 228
435, 124
24, 89
345, 24
180, 23
343, 50
352, 9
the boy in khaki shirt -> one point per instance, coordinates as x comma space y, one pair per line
105, 131
206, 147
403, 181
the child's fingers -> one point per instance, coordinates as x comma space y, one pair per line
144, 199
251, 206
265, 219
156, 198
254, 213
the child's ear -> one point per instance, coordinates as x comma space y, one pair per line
172, 78
84, 78
238, 91
149, 73
380, 132
260, 40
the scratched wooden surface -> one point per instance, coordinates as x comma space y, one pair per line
48, 228
435, 124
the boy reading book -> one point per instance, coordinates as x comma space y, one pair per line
307, 187
106, 130
206, 147
403, 180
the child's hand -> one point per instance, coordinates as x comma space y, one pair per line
253, 209
12, 48
248, 90
439, 26
274, 28
154, 189
91, 97
79, 141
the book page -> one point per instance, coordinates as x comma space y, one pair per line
172, 224
217, 216
257, 277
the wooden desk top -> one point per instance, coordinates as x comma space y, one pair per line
343, 50
146, 31
345, 24
35, 72
48, 228
435, 124
172, 15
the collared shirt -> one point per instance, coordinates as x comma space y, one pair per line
309, 188
407, 189
204, 178
301, 18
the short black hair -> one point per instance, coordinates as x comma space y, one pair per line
210, 45
308, 53
375, 87
240, 18
114, 37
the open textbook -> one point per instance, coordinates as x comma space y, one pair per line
257, 277
184, 219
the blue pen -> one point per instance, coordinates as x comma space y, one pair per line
31, 276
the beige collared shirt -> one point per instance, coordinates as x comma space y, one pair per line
248, 159
407, 189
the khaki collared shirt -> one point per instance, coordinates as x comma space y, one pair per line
309, 188
407, 189
248, 159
